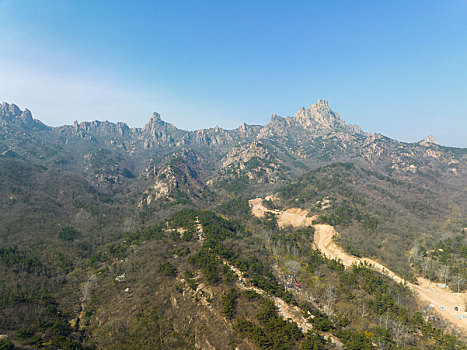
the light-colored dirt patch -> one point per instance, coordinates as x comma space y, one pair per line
294, 217
444, 301
294, 313
181, 231
272, 197
441, 300
257, 207
199, 228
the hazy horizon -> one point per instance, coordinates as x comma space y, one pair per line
397, 69
208, 127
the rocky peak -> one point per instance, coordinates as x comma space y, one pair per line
9, 110
211, 137
316, 120
26, 116
319, 116
155, 116
320, 119
322, 104
13, 114
159, 132
246, 130
104, 128
430, 139
156, 123
243, 128
277, 126
275, 117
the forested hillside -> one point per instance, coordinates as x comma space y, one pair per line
379, 215
142, 238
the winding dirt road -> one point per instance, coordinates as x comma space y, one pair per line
443, 301
323, 240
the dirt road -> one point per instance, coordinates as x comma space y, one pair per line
443, 301
323, 240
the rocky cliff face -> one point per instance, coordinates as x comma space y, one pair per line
316, 120
158, 133
430, 139
10, 113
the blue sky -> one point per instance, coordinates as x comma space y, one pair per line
394, 67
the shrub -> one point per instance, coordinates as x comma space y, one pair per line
229, 300
68, 234
167, 269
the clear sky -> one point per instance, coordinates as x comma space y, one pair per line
394, 67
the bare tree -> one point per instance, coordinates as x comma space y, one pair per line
397, 328
293, 266
86, 287
444, 272
275, 248
426, 262
385, 320
459, 279
363, 309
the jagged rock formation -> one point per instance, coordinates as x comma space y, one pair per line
10, 113
316, 120
102, 128
269, 154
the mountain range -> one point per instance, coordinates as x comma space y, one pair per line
74, 193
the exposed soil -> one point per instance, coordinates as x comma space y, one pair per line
294, 217
441, 300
